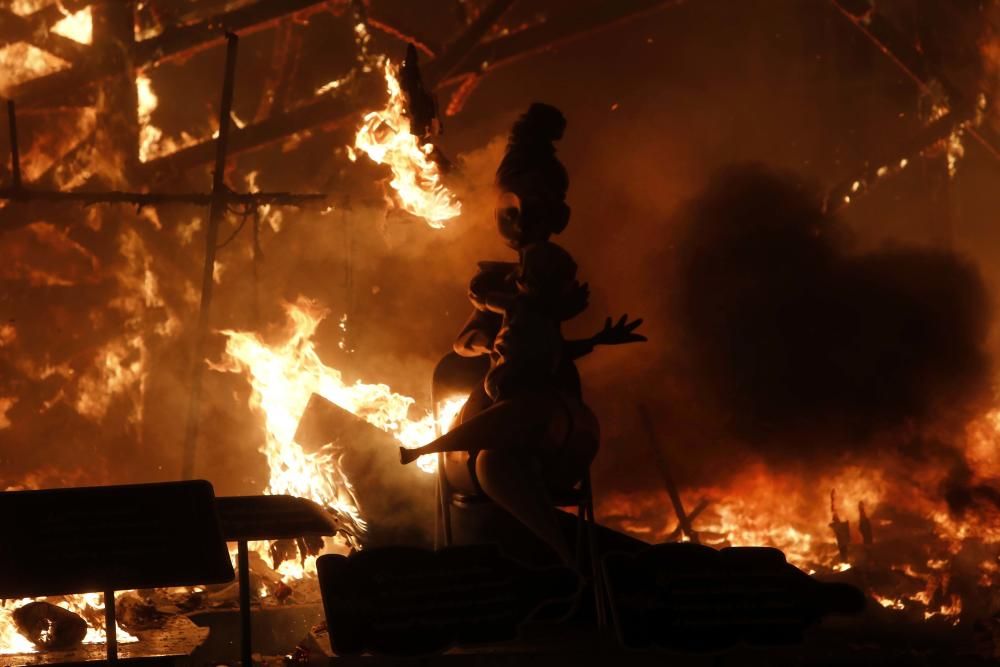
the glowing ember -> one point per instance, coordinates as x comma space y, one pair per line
890, 603
416, 178
283, 376
6, 403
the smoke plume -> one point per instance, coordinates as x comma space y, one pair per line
808, 347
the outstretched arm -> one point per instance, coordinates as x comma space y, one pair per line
619, 333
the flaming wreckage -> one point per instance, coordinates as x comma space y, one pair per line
102, 216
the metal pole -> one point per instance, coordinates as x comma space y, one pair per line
110, 626
668, 479
15, 151
246, 642
216, 213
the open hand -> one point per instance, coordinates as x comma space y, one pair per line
619, 333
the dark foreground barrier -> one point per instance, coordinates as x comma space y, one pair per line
693, 598
409, 601
104, 539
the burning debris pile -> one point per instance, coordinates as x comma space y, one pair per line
853, 392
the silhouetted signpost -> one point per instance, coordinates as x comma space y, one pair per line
693, 598
409, 601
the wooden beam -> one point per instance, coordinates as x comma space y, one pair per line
141, 199
173, 43
116, 130
555, 32
16, 28
901, 51
666, 474
335, 110
343, 107
216, 212
422, 43
456, 51
185, 41
879, 169
49, 15
330, 111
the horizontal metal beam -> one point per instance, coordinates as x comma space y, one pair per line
553, 33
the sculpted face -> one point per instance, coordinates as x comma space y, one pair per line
507, 213
528, 216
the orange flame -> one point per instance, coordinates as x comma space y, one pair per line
89, 606
78, 26
283, 376
416, 178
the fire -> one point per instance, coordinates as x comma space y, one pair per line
78, 26
771, 509
12, 641
416, 178
21, 62
918, 559
89, 606
152, 141
283, 376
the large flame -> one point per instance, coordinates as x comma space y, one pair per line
416, 177
284, 375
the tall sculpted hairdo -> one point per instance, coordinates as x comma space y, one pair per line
530, 162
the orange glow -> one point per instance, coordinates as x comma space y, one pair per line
416, 178
152, 141
22, 62
90, 606
78, 26
284, 375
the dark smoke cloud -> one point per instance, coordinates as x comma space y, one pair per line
808, 347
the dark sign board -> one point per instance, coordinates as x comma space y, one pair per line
273, 518
691, 597
62, 541
409, 601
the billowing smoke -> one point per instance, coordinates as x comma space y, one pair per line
810, 348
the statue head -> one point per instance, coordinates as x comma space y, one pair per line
531, 180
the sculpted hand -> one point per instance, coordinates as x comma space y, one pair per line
620, 333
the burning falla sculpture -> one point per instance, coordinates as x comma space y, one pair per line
527, 432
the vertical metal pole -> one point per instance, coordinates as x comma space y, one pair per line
15, 151
215, 215
110, 626
256, 267
246, 642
